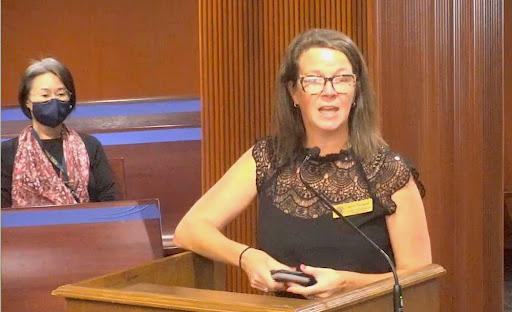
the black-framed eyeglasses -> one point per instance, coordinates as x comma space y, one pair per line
315, 84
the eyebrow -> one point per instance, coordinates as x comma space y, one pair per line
341, 71
322, 75
48, 89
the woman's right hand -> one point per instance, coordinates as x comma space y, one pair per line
257, 264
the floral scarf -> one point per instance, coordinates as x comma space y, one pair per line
34, 179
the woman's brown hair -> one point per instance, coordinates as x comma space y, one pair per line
289, 129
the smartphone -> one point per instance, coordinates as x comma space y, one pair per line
300, 278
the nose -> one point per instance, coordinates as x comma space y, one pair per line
329, 89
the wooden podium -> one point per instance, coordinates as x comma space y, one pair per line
188, 282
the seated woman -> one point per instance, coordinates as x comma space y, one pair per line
324, 102
48, 163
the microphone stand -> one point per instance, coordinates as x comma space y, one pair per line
398, 300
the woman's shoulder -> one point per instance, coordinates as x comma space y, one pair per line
92, 145
263, 149
9, 148
263, 154
265, 143
385, 159
89, 140
390, 172
10, 144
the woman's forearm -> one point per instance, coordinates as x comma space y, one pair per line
206, 240
200, 228
358, 280
363, 279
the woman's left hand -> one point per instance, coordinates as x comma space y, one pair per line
328, 282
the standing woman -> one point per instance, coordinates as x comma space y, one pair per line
324, 101
48, 163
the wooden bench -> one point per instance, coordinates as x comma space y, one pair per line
45, 247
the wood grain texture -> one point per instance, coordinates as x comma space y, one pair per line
183, 282
37, 259
114, 49
507, 59
439, 67
241, 46
11, 129
119, 175
507, 121
169, 171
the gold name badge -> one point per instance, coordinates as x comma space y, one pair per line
354, 208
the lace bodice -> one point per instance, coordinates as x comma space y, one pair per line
338, 177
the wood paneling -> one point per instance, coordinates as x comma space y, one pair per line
38, 258
183, 282
11, 129
117, 167
507, 59
241, 45
169, 171
440, 86
114, 49
438, 67
507, 122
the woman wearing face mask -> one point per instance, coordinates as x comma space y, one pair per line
48, 163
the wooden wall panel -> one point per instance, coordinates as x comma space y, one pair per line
169, 171
440, 66
116, 49
241, 45
507, 42
39, 257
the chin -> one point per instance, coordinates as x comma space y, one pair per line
329, 128
331, 125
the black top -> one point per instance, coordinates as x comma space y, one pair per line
101, 183
295, 227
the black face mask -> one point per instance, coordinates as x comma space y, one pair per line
51, 113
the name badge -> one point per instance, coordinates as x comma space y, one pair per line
354, 208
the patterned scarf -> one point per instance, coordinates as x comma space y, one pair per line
34, 180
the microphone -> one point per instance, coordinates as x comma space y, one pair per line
398, 300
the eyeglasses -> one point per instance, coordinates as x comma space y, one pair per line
44, 95
316, 84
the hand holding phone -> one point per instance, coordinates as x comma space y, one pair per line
300, 278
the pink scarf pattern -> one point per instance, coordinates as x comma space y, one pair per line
34, 180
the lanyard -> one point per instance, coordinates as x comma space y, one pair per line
60, 166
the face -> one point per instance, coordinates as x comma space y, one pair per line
328, 110
45, 87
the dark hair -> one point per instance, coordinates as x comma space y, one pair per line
46, 65
364, 133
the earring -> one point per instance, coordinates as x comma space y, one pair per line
354, 104
295, 105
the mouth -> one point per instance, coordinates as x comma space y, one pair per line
329, 108
328, 111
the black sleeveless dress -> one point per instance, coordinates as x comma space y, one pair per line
295, 227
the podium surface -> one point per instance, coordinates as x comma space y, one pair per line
45, 247
188, 282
